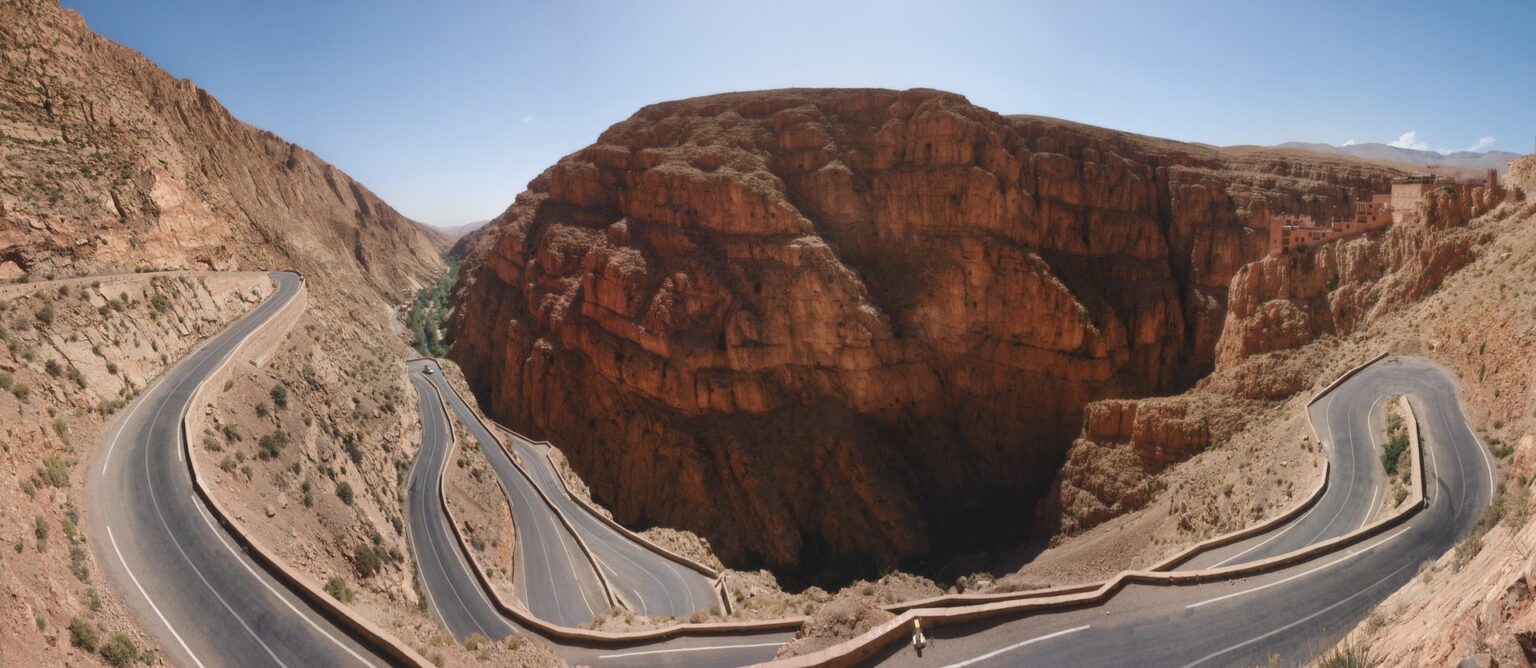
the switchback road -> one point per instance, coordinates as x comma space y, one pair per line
1293, 613
179, 572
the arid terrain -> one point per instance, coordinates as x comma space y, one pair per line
728, 302
848, 347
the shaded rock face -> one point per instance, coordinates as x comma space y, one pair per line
113, 165
835, 330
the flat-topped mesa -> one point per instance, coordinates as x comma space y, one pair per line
834, 330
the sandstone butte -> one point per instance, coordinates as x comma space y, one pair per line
841, 330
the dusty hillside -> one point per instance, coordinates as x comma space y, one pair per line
74, 353
107, 163
1449, 285
111, 164
862, 322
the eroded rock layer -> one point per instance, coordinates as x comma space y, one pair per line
840, 329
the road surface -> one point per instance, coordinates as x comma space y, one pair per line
649, 583
554, 578
1349, 421
1293, 614
455, 593
178, 571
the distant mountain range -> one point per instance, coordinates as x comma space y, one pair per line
458, 231
1384, 152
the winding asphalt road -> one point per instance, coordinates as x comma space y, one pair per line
179, 572
648, 583
455, 593
1350, 420
184, 577
554, 578
1295, 613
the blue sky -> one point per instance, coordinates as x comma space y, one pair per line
448, 108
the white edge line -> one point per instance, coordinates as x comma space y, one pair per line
690, 649
216, 533
1294, 523
1483, 448
1302, 574
151, 601
138, 402
1015, 646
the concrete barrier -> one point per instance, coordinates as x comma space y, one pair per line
588, 506
866, 645
592, 510
515, 611
380, 639
613, 601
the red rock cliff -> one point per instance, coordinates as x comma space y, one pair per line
842, 328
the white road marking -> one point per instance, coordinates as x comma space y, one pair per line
219, 535
1483, 449
570, 561
689, 649
1370, 509
1301, 621
151, 601
1302, 574
1015, 646
1349, 490
141, 400
1293, 525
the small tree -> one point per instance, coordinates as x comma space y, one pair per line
279, 393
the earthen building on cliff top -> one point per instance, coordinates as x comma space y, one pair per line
1290, 231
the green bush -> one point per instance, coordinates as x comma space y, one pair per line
82, 634
425, 319
1392, 453
272, 445
344, 492
338, 589
53, 472
120, 651
279, 393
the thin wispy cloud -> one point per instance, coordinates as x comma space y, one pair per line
1410, 139
1481, 144
528, 118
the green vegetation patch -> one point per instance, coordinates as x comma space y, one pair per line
425, 319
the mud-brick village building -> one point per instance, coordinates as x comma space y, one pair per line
1291, 231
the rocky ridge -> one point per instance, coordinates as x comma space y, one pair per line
863, 322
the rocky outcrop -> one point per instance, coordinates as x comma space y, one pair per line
1111, 469
113, 165
1284, 302
845, 328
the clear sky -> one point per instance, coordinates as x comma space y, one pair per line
448, 108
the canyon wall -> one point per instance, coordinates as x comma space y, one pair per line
1276, 307
835, 330
1284, 302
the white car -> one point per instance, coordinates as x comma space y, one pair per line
429, 371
